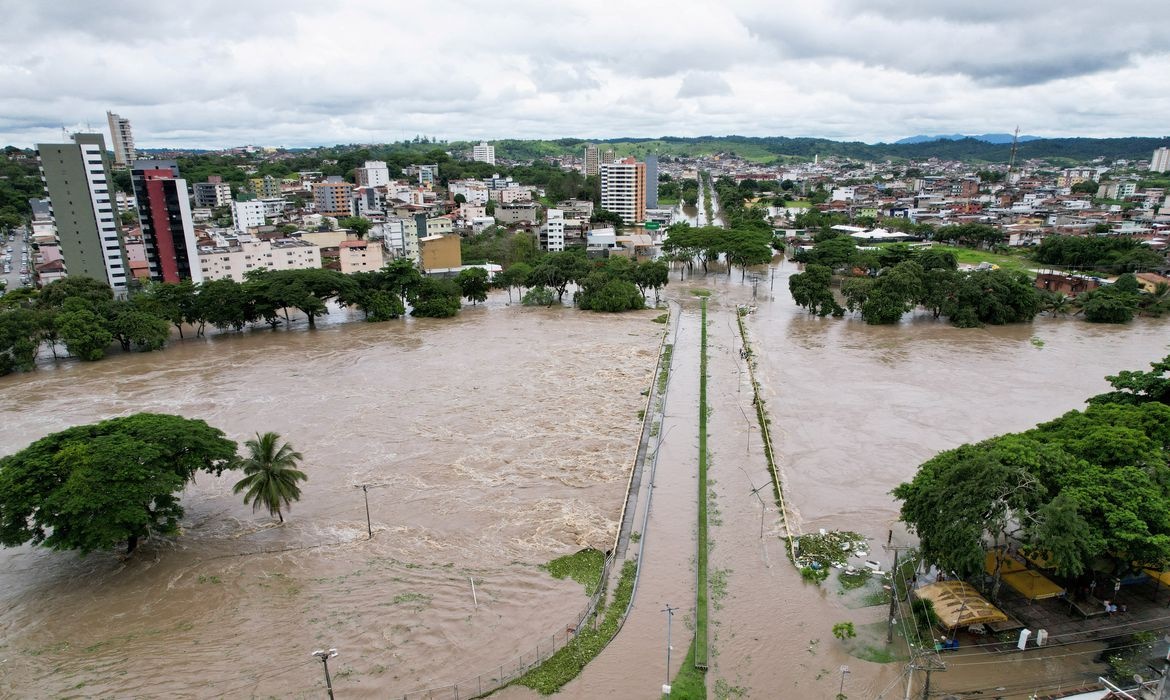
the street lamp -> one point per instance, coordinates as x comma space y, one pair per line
325, 656
844, 672
669, 616
366, 494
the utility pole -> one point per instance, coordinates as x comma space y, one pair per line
325, 656
669, 615
894, 593
366, 494
844, 672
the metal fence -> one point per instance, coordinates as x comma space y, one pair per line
494, 679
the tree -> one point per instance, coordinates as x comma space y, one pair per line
435, 298
174, 302
93, 486
358, 224
1092, 486
539, 296
810, 290
83, 330
224, 304
559, 270
136, 323
1136, 387
1108, 305
473, 283
20, 335
515, 275
270, 474
1085, 187
651, 274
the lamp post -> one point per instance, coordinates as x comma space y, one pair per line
366, 494
325, 656
669, 616
844, 672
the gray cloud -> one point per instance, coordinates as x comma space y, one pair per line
300, 72
997, 43
703, 84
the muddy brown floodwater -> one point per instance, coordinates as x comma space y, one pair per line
493, 442
499, 440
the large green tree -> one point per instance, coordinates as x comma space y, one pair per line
94, 486
270, 474
474, 284
1090, 489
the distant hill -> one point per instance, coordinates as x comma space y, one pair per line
780, 149
986, 138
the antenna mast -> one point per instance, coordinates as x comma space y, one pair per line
1012, 159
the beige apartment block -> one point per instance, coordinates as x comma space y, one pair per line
360, 256
236, 260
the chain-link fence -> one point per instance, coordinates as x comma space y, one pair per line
496, 678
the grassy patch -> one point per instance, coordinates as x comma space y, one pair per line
701, 292
689, 683
701, 650
970, 256
661, 318
584, 567
854, 579
664, 371
567, 662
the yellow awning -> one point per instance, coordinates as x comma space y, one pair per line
1033, 585
958, 604
1009, 565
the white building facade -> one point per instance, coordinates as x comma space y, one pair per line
484, 153
552, 233
246, 215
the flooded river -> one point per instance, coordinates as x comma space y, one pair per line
492, 442
497, 441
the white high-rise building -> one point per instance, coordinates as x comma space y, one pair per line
623, 189
552, 234
122, 140
484, 153
246, 215
375, 173
1160, 163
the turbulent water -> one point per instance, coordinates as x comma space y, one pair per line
492, 443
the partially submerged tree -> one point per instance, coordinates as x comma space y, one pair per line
270, 474
94, 486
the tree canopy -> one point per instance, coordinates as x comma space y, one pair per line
94, 486
1090, 489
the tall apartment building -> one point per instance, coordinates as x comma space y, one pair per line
374, 173
484, 153
623, 189
609, 156
164, 211
246, 215
652, 181
77, 177
1160, 162
212, 194
333, 198
591, 161
122, 140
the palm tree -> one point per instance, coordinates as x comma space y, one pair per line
270, 474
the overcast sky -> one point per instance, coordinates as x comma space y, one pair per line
298, 73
